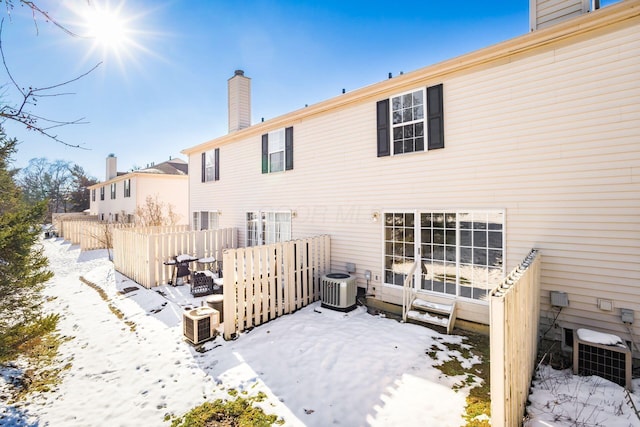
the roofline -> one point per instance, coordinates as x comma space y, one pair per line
130, 175
592, 21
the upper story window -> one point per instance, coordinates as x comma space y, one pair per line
101, 193
127, 188
210, 165
405, 120
93, 195
407, 112
277, 150
113, 190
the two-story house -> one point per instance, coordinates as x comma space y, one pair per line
117, 198
465, 165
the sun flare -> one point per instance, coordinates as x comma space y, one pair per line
116, 32
106, 27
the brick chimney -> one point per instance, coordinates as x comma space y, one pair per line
239, 101
112, 167
543, 13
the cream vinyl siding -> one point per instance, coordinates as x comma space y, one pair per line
548, 12
170, 189
550, 136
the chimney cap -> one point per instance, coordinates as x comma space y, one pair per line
239, 73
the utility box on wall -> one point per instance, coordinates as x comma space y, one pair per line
559, 299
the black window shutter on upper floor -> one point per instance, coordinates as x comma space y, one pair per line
288, 148
217, 165
265, 153
204, 167
384, 146
435, 117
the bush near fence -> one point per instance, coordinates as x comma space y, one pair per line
515, 311
140, 253
264, 282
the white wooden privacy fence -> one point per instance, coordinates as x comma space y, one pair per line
514, 310
264, 282
140, 254
90, 235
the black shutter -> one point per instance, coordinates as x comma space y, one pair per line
288, 148
217, 165
384, 146
435, 117
265, 153
204, 167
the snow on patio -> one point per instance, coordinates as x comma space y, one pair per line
318, 367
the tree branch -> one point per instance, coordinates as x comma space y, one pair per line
29, 97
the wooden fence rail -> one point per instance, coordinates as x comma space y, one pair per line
140, 253
514, 313
264, 282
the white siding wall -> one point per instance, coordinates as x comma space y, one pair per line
552, 137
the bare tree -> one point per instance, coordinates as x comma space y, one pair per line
155, 213
22, 111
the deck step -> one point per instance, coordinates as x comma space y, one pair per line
423, 311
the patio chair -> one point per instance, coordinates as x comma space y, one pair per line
202, 284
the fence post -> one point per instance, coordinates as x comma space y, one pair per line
230, 286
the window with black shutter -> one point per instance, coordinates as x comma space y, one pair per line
404, 121
211, 165
277, 150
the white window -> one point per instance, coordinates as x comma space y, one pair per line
460, 253
206, 220
127, 188
268, 227
407, 114
113, 190
209, 165
276, 151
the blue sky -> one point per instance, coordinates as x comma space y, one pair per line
167, 89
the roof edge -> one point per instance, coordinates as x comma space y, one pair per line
592, 21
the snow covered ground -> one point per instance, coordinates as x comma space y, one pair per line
317, 367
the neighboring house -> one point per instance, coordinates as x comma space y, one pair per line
466, 165
116, 199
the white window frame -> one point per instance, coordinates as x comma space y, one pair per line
414, 123
212, 220
210, 165
113, 191
277, 144
459, 264
127, 188
267, 227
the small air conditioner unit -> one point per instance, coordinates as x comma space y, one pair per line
338, 291
199, 324
604, 355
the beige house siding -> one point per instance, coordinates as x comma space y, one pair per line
548, 12
550, 136
169, 189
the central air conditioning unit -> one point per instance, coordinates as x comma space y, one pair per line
604, 355
338, 291
199, 324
